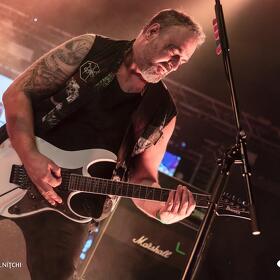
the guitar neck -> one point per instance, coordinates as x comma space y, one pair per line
124, 189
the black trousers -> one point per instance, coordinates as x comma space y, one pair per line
53, 245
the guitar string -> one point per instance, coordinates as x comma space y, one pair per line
199, 198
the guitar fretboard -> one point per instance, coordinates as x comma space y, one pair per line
124, 189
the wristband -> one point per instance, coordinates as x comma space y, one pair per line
158, 216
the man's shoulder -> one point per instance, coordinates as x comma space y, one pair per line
161, 90
109, 41
90, 37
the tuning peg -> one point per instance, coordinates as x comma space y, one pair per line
239, 200
226, 194
245, 203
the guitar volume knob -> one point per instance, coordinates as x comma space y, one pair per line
245, 203
32, 195
14, 209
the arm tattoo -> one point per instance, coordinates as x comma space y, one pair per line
74, 51
53, 69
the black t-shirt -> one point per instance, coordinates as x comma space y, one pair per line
100, 124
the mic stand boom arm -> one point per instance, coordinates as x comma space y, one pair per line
240, 145
236, 154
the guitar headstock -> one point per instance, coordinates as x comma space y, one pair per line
232, 206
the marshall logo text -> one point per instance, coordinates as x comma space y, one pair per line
151, 247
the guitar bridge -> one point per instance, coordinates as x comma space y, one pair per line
18, 176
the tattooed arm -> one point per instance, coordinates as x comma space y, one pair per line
43, 78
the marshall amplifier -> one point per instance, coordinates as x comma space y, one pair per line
135, 246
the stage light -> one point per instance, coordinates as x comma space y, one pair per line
169, 163
4, 84
86, 247
183, 145
203, 11
278, 263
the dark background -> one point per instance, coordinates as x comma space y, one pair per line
252, 30
253, 34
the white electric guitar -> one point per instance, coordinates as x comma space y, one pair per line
85, 173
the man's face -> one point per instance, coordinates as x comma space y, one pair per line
163, 51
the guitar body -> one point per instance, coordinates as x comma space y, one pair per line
16, 201
86, 182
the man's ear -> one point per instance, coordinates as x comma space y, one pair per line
152, 31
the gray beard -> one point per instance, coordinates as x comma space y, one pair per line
150, 75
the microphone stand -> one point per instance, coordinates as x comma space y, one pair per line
237, 154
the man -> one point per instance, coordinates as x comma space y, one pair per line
165, 43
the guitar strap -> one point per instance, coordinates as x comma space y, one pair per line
144, 130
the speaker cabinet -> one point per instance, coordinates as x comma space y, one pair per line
135, 246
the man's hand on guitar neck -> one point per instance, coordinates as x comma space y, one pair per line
45, 174
180, 204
